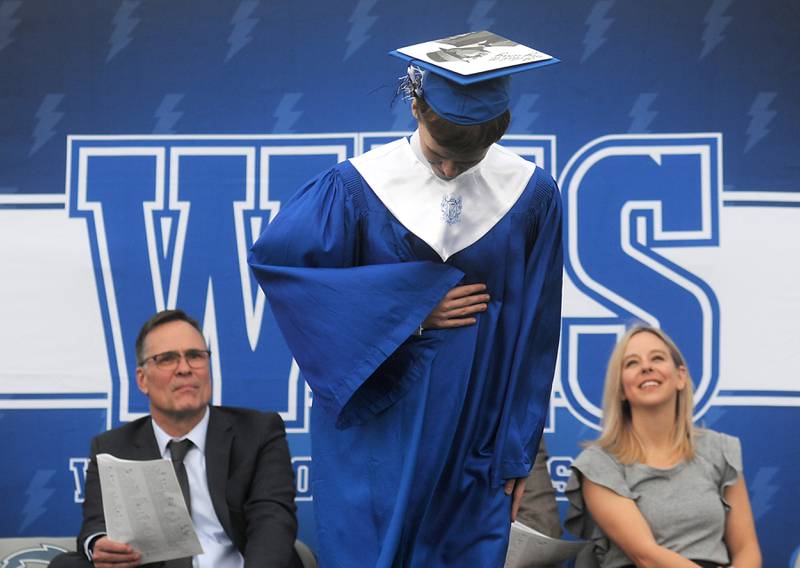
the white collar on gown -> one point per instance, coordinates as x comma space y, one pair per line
448, 215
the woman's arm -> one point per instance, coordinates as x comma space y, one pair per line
620, 519
740, 530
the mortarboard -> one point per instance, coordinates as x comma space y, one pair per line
466, 79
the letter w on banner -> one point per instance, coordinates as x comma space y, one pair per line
170, 220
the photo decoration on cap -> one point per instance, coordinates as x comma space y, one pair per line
474, 57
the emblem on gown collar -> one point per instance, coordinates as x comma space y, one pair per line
451, 209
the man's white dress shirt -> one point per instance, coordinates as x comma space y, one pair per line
219, 550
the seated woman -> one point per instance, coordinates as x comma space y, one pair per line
654, 490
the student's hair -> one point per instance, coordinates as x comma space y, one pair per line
462, 137
162, 317
618, 437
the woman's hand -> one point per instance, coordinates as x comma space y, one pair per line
458, 307
517, 488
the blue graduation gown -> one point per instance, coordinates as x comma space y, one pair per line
413, 436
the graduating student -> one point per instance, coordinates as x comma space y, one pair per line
419, 288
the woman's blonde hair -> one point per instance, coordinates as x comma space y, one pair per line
618, 437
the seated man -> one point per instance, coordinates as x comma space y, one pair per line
238, 472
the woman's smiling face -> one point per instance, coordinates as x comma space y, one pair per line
649, 375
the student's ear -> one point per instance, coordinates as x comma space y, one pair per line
414, 110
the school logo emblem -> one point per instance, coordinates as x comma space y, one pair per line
451, 209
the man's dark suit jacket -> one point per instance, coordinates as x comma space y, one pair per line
249, 474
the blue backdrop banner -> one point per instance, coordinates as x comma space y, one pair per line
145, 144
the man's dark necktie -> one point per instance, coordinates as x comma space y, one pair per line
178, 451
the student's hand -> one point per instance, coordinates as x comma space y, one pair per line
109, 553
517, 488
458, 307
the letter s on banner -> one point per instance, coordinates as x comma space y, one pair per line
632, 202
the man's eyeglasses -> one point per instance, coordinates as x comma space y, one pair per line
168, 360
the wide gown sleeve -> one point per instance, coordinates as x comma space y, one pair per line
528, 396
342, 321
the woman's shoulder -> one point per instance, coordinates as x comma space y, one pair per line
600, 466
711, 443
722, 451
594, 453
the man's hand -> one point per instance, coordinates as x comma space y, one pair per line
517, 487
109, 553
458, 307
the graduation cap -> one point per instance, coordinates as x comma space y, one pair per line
466, 79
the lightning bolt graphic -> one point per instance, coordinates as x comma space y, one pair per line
285, 114
360, 23
641, 114
124, 23
598, 24
716, 22
46, 119
523, 113
8, 23
38, 493
762, 490
760, 117
242, 24
479, 17
167, 115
